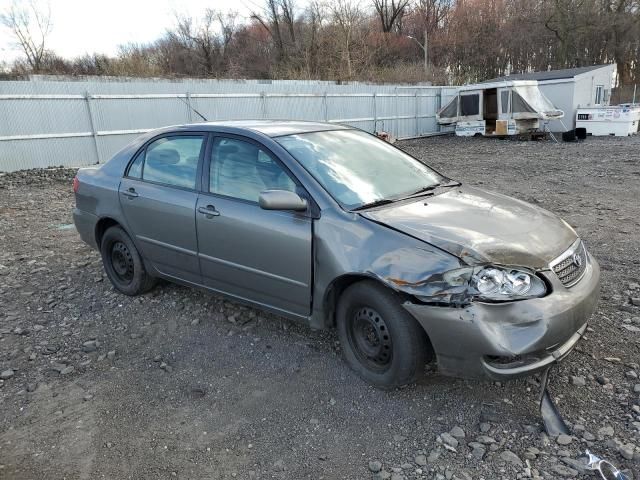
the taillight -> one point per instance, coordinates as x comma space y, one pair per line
76, 184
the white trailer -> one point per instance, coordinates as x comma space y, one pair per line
498, 109
618, 120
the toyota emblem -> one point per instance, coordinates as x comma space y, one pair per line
577, 260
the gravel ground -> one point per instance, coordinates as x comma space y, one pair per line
184, 384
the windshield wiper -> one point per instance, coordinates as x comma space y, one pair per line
429, 190
377, 203
423, 191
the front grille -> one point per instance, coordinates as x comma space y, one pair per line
571, 265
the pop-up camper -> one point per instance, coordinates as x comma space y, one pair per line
501, 108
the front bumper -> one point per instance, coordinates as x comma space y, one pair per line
508, 340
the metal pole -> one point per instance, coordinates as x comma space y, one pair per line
375, 113
92, 123
263, 104
438, 107
397, 127
416, 106
325, 106
634, 93
189, 107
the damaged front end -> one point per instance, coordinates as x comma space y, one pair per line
495, 321
487, 283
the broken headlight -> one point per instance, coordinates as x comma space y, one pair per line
500, 283
497, 284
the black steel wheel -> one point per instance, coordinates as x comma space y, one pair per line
370, 339
380, 340
123, 264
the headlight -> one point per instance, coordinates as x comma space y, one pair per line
503, 283
495, 284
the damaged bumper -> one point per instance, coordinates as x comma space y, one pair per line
512, 339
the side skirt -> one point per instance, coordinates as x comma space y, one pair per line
283, 313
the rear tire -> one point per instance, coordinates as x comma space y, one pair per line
123, 264
380, 340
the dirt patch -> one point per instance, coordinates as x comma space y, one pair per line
183, 384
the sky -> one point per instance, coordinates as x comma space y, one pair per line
88, 26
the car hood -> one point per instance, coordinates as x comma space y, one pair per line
481, 227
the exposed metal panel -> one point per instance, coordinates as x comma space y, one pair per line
49, 122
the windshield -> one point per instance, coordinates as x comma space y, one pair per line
357, 168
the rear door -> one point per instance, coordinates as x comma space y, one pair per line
158, 196
255, 254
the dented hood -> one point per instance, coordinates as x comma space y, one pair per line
479, 226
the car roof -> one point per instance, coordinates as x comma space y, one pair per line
271, 128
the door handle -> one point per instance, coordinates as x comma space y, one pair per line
131, 193
209, 211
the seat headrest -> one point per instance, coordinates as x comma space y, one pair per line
224, 150
163, 156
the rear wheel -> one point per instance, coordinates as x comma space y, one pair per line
380, 341
123, 263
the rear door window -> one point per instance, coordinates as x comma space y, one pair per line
170, 161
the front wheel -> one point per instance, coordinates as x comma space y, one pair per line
380, 340
123, 263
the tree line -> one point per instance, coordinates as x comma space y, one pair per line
442, 41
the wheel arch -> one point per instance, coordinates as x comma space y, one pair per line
102, 226
339, 284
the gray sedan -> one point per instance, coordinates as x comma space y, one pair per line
330, 226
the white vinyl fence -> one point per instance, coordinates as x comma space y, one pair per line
46, 123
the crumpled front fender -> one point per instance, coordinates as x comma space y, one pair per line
473, 341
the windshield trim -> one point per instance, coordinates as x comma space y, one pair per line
443, 179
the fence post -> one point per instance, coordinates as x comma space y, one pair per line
375, 113
416, 108
92, 123
438, 107
325, 106
189, 108
263, 104
397, 114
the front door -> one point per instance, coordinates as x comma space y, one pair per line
254, 254
158, 197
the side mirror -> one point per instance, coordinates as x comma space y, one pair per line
281, 200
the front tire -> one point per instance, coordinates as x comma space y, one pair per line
123, 264
380, 340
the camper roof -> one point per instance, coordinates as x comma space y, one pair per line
498, 84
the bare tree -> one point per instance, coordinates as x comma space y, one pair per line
30, 24
201, 37
270, 20
346, 15
433, 13
228, 27
315, 16
390, 12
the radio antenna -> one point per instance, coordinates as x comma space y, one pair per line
189, 105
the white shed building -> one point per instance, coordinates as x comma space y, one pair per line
572, 88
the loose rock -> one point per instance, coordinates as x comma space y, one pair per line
510, 457
564, 439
